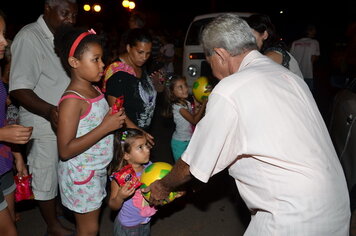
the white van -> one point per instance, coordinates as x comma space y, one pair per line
194, 63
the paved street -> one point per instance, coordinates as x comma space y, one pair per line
214, 210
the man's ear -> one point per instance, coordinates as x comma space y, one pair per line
47, 8
222, 54
73, 62
265, 35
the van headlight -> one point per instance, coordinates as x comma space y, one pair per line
192, 70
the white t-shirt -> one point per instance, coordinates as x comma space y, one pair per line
36, 66
168, 51
264, 125
303, 50
294, 66
183, 130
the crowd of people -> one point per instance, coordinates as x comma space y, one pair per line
271, 137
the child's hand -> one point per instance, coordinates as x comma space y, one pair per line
180, 194
204, 101
201, 105
114, 121
17, 134
125, 191
208, 89
119, 102
20, 165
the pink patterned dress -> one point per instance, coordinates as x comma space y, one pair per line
82, 179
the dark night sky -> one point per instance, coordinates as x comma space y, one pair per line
331, 19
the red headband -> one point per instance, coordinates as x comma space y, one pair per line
77, 41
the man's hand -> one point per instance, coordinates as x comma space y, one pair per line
160, 189
17, 134
159, 193
36, 105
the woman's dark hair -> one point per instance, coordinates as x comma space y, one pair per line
262, 23
138, 19
2, 14
138, 35
64, 38
169, 97
122, 144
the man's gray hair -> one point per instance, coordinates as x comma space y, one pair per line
230, 32
56, 2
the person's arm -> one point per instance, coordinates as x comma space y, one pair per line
26, 68
17, 134
129, 124
194, 118
160, 189
275, 56
119, 194
69, 115
20, 164
149, 137
31, 102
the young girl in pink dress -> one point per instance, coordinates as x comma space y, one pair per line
85, 126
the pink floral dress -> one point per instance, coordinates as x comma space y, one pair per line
82, 179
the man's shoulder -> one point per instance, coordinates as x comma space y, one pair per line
255, 70
30, 31
229, 83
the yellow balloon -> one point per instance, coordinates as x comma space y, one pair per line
201, 88
154, 172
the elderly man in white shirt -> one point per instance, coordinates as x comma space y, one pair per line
37, 82
263, 124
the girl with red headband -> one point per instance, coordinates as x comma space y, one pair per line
85, 126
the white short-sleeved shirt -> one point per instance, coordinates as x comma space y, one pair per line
303, 50
184, 129
294, 66
264, 125
36, 66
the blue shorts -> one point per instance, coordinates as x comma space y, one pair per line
178, 147
7, 186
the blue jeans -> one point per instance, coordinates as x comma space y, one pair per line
138, 230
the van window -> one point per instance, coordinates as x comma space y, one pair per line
193, 36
